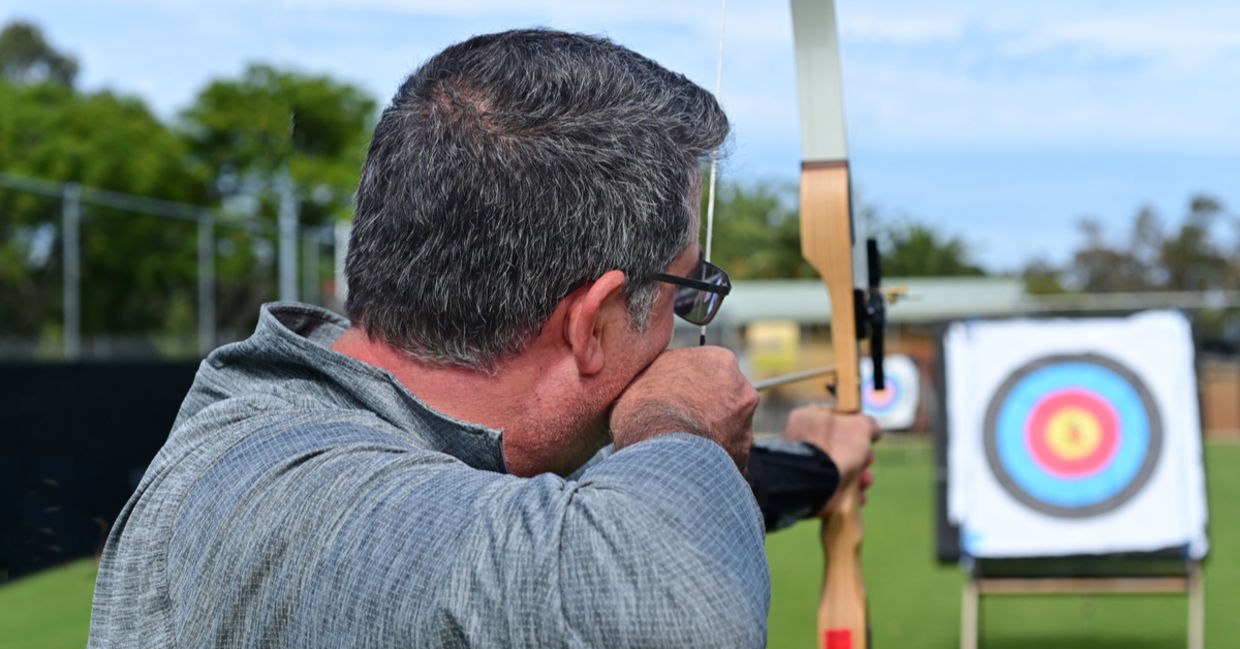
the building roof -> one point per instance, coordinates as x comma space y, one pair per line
928, 299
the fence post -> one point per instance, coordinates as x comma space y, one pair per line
71, 292
206, 283
288, 239
310, 288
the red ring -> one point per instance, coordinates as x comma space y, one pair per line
881, 398
1056, 464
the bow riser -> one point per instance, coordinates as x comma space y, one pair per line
827, 242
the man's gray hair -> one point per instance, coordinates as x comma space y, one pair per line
511, 169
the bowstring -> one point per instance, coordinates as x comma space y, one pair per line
714, 155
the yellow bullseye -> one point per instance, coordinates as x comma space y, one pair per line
1073, 433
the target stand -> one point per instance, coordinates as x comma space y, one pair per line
1083, 576
1070, 462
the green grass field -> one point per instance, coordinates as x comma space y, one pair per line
914, 602
49, 610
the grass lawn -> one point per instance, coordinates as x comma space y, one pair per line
50, 610
914, 602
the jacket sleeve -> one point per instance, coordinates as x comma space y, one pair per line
349, 540
658, 545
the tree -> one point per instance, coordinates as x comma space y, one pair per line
758, 236
1192, 260
231, 148
757, 233
250, 132
1099, 267
1150, 259
254, 133
919, 250
26, 57
1043, 278
106, 141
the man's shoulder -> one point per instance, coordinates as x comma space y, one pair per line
241, 488
254, 429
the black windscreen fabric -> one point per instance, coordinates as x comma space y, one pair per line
76, 439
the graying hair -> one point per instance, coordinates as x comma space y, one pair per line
511, 169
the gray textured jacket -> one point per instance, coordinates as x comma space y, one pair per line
306, 499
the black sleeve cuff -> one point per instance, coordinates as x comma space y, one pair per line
791, 483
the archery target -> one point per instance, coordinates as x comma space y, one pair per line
895, 406
1073, 436
881, 401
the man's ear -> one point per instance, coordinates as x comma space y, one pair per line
591, 316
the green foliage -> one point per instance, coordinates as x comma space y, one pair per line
919, 250
1192, 258
249, 131
252, 133
757, 232
25, 57
106, 141
1148, 258
1043, 278
758, 236
240, 138
101, 140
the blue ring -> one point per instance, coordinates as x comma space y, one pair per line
1111, 388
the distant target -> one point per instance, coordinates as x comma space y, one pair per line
895, 406
877, 402
1072, 436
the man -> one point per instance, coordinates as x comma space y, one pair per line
429, 473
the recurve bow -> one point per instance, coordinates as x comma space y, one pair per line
828, 240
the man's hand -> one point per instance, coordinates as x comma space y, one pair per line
698, 390
846, 438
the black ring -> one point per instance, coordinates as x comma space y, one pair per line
1152, 451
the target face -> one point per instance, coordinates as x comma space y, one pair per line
1072, 436
882, 401
895, 406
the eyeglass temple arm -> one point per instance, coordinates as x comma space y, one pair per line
692, 283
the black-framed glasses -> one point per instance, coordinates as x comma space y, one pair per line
698, 296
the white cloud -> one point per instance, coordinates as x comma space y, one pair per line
1065, 74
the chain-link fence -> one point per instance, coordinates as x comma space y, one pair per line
87, 273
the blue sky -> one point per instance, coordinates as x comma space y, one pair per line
1003, 123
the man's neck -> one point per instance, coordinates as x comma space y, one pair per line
470, 395
528, 397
